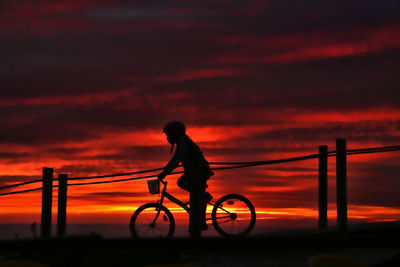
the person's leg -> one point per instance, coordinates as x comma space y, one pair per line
204, 201
184, 182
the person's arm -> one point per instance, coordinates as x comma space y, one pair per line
180, 152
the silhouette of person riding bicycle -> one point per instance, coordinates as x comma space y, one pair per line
232, 215
185, 152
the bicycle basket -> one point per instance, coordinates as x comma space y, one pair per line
154, 186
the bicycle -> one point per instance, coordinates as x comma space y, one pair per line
232, 215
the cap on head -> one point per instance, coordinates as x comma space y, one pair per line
175, 130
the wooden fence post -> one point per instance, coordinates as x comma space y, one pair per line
47, 191
341, 186
62, 204
323, 186
195, 199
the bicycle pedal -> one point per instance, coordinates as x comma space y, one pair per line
165, 218
230, 202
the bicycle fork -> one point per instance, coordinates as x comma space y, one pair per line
158, 209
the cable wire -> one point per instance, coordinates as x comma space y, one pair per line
114, 175
237, 165
20, 184
22, 191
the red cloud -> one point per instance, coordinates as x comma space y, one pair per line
309, 45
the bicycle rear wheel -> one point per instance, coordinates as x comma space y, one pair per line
144, 225
233, 216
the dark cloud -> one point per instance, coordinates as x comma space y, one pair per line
368, 131
122, 154
11, 157
375, 182
84, 169
42, 132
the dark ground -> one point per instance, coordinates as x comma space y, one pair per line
368, 245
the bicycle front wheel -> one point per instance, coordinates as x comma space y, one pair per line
233, 216
145, 223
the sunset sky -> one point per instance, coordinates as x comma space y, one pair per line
86, 87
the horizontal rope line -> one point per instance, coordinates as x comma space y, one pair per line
113, 175
266, 162
370, 151
242, 164
367, 152
153, 176
22, 191
83, 178
115, 181
19, 184
220, 168
376, 148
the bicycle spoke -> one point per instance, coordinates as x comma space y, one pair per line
223, 217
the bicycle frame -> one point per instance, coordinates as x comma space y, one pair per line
165, 194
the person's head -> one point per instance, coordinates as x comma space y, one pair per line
175, 131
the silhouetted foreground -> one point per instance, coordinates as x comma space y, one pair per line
376, 245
